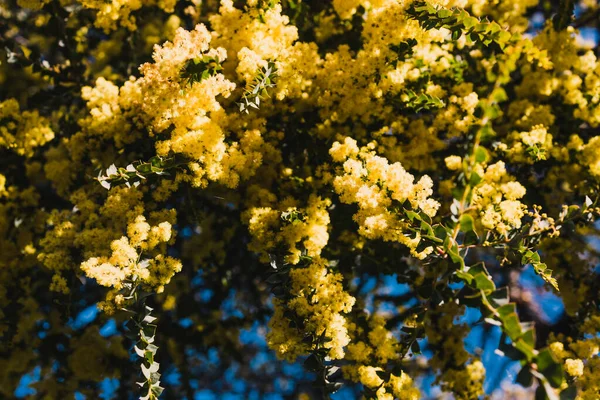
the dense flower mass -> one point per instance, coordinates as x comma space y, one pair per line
359, 187
369, 181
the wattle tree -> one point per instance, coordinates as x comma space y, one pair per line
299, 199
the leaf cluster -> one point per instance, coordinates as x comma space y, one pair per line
258, 89
460, 22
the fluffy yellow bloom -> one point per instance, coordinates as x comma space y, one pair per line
466, 383
110, 113
319, 298
496, 198
574, 367
402, 387
131, 259
368, 376
59, 284
372, 183
453, 163
295, 227
108, 15
32, 4
105, 274
591, 155
22, 131
284, 340
2, 185
530, 146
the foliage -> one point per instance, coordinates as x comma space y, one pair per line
258, 88
199, 170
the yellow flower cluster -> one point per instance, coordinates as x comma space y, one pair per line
575, 77
97, 231
22, 131
496, 198
110, 111
32, 4
184, 115
525, 115
297, 229
529, 146
397, 387
255, 37
192, 114
574, 367
372, 355
446, 335
362, 110
442, 330
128, 260
580, 358
373, 184
110, 14
453, 163
282, 338
319, 300
590, 155
465, 383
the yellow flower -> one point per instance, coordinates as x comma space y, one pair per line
453, 163
574, 367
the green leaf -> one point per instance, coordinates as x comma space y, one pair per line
542, 270
487, 132
569, 393
157, 390
521, 345
503, 37
427, 228
484, 283
443, 13
494, 28
466, 223
149, 356
440, 232
550, 367
432, 239
510, 320
465, 276
479, 268
470, 22
572, 210
507, 310
412, 215
452, 251
481, 155
499, 94
508, 349
475, 179
200, 68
